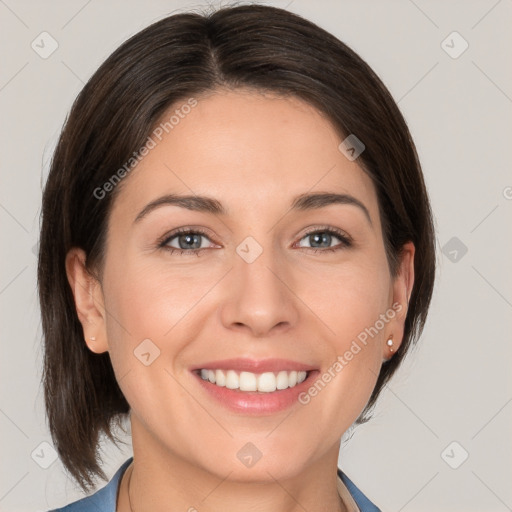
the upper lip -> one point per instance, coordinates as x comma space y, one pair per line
255, 365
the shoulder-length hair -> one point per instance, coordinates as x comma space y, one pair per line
181, 56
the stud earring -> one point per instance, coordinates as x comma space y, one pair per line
93, 338
389, 343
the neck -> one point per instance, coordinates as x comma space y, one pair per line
159, 479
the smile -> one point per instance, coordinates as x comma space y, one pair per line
255, 387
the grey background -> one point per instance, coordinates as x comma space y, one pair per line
454, 387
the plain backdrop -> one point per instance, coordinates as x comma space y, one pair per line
440, 437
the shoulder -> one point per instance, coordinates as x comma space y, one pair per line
103, 500
364, 504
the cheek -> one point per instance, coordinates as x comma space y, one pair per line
350, 297
352, 301
150, 320
140, 292
156, 302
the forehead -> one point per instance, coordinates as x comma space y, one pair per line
249, 150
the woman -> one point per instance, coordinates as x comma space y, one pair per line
236, 254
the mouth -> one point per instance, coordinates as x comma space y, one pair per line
251, 387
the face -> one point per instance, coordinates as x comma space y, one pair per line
277, 291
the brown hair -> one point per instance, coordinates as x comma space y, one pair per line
184, 55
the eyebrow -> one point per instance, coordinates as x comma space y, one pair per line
303, 202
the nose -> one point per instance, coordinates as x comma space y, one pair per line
259, 296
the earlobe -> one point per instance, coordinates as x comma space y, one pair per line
390, 348
88, 298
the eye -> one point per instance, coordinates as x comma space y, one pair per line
322, 239
184, 240
191, 241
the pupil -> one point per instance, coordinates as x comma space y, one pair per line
321, 237
195, 240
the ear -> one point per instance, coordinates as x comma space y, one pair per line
89, 301
401, 292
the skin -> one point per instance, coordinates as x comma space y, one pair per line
254, 153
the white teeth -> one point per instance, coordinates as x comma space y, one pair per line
282, 380
232, 381
220, 378
267, 382
248, 381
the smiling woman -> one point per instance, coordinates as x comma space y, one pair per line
295, 185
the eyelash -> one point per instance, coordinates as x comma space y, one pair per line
346, 241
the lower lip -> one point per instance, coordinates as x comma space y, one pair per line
254, 402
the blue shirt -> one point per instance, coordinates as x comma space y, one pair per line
105, 499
